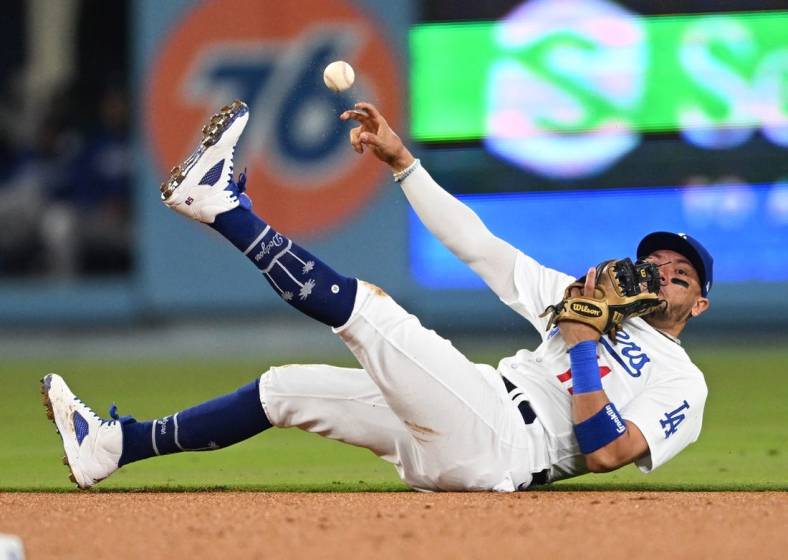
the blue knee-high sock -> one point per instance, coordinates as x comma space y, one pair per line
211, 425
300, 278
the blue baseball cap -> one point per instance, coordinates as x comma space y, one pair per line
685, 245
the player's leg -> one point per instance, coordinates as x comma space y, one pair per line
96, 447
338, 403
214, 424
343, 404
203, 188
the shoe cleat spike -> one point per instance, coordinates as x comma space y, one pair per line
210, 138
172, 182
166, 187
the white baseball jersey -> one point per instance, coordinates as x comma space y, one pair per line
647, 375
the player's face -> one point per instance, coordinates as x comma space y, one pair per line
679, 287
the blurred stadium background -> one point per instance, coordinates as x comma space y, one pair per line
573, 126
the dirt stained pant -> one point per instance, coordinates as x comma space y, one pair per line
443, 421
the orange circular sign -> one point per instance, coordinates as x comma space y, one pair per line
303, 175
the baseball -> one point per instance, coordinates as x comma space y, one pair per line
339, 75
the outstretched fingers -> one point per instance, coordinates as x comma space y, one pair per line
371, 110
374, 132
368, 138
366, 114
371, 122
590, 283
355, 114
355, 140
360, 138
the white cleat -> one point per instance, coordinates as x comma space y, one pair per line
93, 446
202, 186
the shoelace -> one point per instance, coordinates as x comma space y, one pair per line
113, 412
238, 188
96, 416
241, 184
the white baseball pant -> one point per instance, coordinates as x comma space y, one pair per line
443, 421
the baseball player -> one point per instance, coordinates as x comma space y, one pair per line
582, 401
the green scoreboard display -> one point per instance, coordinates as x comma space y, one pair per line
567, 90
650, 74
682, 106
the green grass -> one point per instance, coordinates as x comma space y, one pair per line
742, 446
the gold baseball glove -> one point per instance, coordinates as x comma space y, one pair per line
623, 289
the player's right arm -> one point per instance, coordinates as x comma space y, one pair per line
453, 223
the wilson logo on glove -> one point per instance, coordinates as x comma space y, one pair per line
586, 309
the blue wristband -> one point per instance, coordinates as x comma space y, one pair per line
599, 430
585, 368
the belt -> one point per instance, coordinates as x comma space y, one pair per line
528, 414
529, 417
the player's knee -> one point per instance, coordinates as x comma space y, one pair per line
373, 289
269, 381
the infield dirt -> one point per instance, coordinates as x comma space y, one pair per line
409, 525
